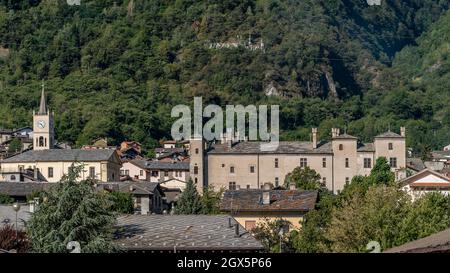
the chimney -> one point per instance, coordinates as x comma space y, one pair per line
236, 230
403, 131
266, 197
36, 170
229, 138
334, 132
229, 222
292, 187
314, 137
131, 188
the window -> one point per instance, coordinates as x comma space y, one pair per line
231, 169
195, 169
196, 150
92, 172
141, 172
232, 186
50, 172
393, 162
276, 162
122, 172
249, 225
154, 173
248, 186
341, 147
303, 162
41, 141
277, 182
347, 180
196, 180
223, 165
252, 169
127, 172
390, 146
166, 173
367, 163
13, 177
176, 173
324, 162
347, 164
324, 180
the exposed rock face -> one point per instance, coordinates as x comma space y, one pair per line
271, 90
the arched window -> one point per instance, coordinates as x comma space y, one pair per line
13, 177
41, 142
341, 147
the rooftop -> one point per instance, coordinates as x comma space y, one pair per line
284, 147
70, 155
389, 135
438, 242
182, 232
176, 165
133, 187
280, 200
23, 188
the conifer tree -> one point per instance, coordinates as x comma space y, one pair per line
72, 211
189, 202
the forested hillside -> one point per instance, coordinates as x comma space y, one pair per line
116, 68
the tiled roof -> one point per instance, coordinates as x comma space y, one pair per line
280, 200
389, 135
70, 155
158, 165
345, 136
423, 173
438, 242
182, 232
284, 147
415, 164
366, 147
133, 187
23, 188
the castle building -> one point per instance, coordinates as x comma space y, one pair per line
242, 165
47, 163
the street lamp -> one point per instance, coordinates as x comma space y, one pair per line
16, 208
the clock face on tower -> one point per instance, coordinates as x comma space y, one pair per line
41, 124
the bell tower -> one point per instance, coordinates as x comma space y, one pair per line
43, 127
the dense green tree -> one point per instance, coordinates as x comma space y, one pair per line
6, 199
304, 178
15, 146
189, 201
273, 232
72, 211
122, 202
210, 200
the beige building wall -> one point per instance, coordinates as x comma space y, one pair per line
399, 151
295, 218
343, 173
104, 171
360, 163
135, 171
220, 175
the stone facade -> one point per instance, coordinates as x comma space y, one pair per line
238, 165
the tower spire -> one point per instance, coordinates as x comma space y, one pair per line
43, 106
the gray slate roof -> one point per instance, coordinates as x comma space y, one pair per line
284, 147
415, 164
366, 147
70, 155
142, 187
183, 232
23, 188
280, 200
345, 136
389, 135
158, 165
438, 242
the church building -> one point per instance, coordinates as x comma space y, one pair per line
47, 163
